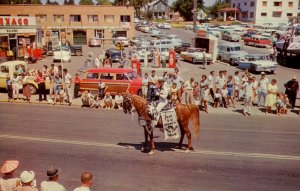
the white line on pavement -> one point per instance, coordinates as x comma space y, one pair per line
202, 152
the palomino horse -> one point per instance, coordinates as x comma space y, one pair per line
183, 112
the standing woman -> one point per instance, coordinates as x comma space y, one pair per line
16, 86
203, 83
271, 96
26, 87
230, 91
40, 79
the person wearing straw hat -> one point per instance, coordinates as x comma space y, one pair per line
8, 182
52, 183
27, 182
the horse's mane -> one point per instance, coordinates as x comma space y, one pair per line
139, 99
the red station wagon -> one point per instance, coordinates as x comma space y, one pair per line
116, 80
257, 40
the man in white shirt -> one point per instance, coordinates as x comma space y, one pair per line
51, 184
211, 81
262, 89
118, 101
68, 82
220, 80
248, 89
86, 182
188, 87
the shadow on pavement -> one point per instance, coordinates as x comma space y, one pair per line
159, 146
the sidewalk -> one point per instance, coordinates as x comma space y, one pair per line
238, 110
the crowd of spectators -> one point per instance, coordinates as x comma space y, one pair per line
223, 90
27, 182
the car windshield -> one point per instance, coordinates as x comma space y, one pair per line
256, 58
236, 48
132, 75
63, 48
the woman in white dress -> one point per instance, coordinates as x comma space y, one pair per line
271, 97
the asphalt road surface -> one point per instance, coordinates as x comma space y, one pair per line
232, 153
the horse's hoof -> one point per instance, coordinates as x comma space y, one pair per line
143, 149
191, 149
187, 151
151, 153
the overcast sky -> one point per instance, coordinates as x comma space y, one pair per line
207, 2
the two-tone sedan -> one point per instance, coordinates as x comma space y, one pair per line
258, 63
195, 55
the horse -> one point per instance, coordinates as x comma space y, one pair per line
184, 114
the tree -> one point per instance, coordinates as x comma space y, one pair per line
36, 2
103, 2
184, 7
48, 2
149, 15
86, 2
216, 7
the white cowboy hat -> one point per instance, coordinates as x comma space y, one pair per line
27, 176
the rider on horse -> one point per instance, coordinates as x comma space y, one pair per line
162, 101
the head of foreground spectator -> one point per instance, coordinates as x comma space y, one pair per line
86, 179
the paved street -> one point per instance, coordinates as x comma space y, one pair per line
232, 153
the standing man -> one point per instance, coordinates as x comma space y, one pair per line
292, 88
220, 80
248, 89
76, 85
188, 86
68, 83
101, 88
52, 183
8, 182
262, 89
211, 81
86, 182
40, 79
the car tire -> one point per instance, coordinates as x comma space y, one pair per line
33, 89
78, 52
230, 62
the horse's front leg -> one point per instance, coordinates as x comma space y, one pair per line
146, 134
152, 143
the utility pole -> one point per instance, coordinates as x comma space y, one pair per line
194, 15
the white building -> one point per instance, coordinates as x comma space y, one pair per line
266, 11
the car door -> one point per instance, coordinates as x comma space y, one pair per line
227, 53
121, 84
4, 72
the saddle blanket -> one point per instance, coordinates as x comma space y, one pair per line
170, 124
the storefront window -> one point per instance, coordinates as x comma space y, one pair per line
41, 18
3, 45
4, 69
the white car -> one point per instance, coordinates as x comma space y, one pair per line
123, 40
62, 54
195, 55
258, 63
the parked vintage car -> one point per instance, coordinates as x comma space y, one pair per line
257, 40
94, 42
231, 52
115, 54
258, 63
154, 31
62, 54
195, 55
116, 80
134, 40
166, 26
230, 36
184, 46
11, 67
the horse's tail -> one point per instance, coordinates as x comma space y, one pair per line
194, 109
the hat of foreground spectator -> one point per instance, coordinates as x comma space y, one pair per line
9, 166
27, 176
262, 73
294, 78
51, 172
